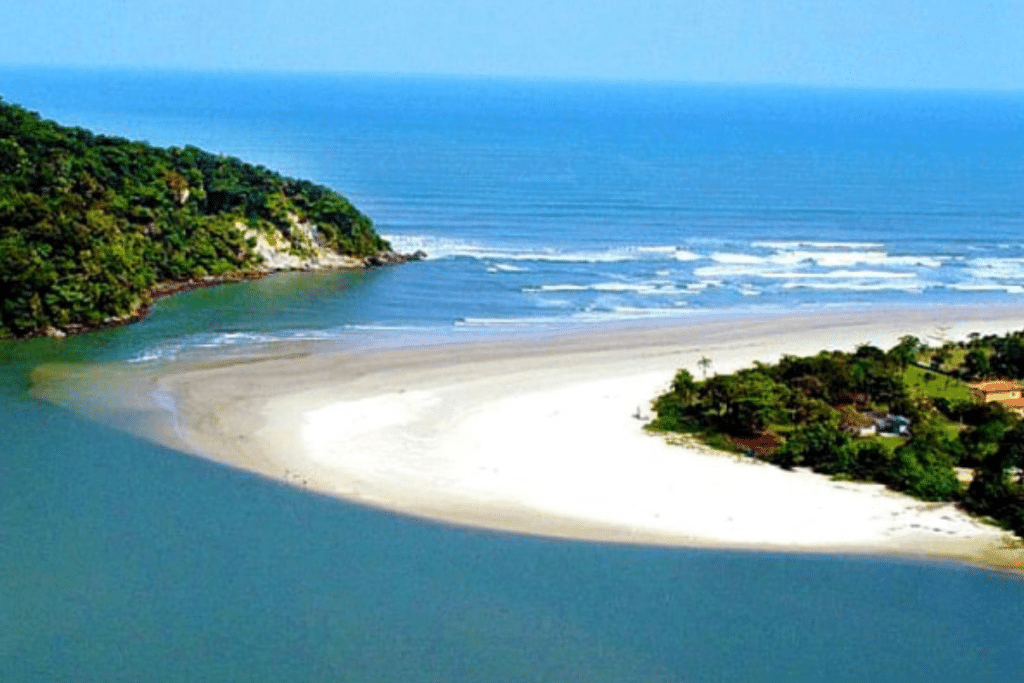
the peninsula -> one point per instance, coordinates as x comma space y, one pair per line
543, 436
94, 227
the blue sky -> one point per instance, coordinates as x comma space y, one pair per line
976, 44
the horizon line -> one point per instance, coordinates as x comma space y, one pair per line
500, 78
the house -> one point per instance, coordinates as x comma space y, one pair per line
870, 430
893, 425
884, 424
1014, 404
998, 390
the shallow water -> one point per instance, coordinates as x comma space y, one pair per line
126, 561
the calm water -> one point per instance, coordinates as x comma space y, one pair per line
541, 205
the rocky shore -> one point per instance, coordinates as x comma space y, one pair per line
277, 261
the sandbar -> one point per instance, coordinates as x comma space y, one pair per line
545, 435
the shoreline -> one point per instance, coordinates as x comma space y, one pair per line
540, 436
162, 290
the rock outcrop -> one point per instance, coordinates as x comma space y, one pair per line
390, 258
304, 248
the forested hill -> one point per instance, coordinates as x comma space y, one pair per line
92, 226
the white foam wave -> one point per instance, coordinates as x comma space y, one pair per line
841, 274
434, 247
154, 355
627, 313
786, 270
545, 255
1000, 268
737, 259
441, 247
986, 287
815, 244
507, 322
556, 288
647, 289
616, 314
506, 268
236, 339
611, 256
727, 271
839, 259
858, 286
379, 328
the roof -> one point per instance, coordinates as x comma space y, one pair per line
998, 385
1013, 403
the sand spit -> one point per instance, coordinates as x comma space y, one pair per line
545, 436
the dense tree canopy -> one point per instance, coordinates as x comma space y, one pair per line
810, 412
89, 223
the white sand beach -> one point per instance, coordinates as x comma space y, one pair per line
545, 436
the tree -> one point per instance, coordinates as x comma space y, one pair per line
674, 409
742, 403
997, 489
871, 459
1008, 359
684, 386
939, 358
906, 351
984, 439
923, 466
976, 364
88, 223
820, 445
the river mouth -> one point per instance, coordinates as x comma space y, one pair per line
535, 436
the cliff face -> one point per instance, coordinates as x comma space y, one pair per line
306, 250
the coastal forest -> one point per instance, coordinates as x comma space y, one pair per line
905, 417
93, 226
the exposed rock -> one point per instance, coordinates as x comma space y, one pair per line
51, 331
390, 258
306, 249
280, 253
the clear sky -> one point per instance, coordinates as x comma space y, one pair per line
861, 43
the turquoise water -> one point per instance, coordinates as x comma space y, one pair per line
544, 206
124, 561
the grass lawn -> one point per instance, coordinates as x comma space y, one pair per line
892, 442
939, 387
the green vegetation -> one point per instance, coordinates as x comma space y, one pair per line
982, 358
932, 385
91, 224
871, 415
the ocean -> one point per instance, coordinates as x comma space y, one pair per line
543, 207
